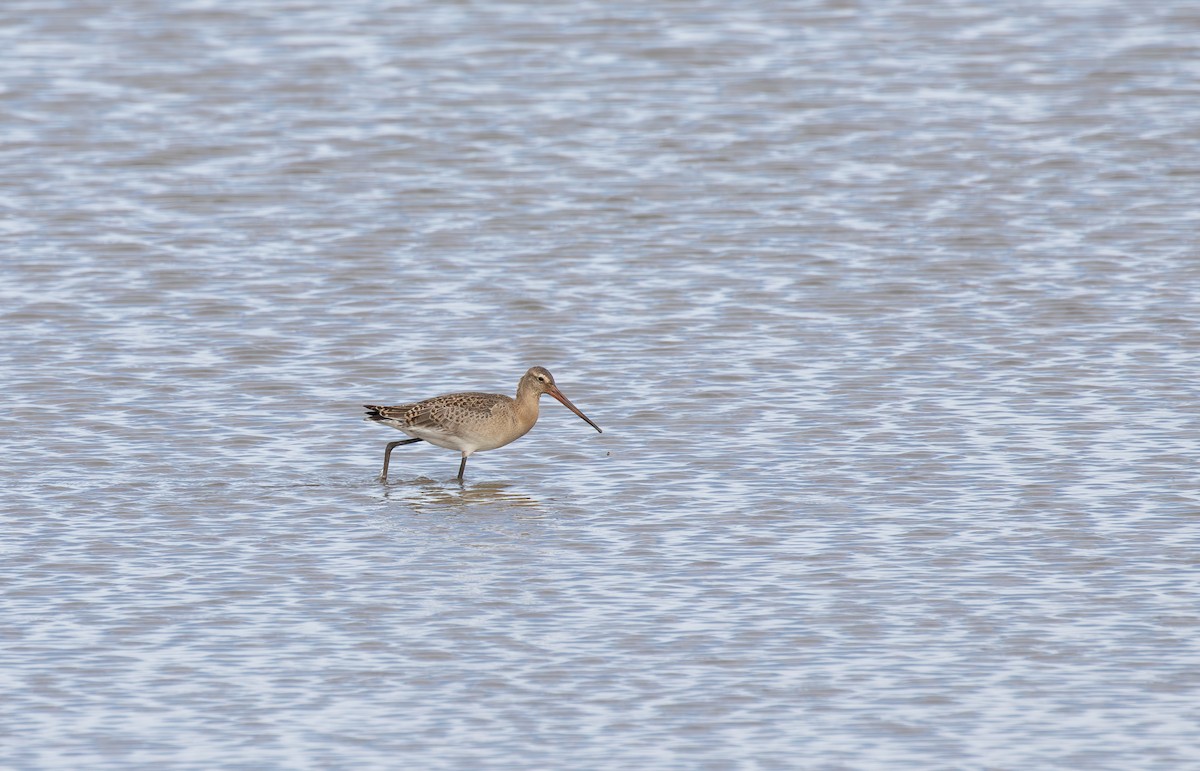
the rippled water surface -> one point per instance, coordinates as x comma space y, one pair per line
888, 311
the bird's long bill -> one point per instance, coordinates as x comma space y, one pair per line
557, 394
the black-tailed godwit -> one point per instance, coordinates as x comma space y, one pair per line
471, 422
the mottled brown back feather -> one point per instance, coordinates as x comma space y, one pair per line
439, 411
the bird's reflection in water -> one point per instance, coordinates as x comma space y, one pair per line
428, 495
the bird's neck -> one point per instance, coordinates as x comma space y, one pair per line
527, 403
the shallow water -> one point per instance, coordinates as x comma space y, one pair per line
888, 314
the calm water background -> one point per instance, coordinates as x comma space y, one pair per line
888, 310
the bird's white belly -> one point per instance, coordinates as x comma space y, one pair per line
462, 440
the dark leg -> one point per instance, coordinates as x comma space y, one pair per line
387, 454
462, 467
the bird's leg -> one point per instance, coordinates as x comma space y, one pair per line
462, 467
387, 454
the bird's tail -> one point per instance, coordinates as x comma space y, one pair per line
389, 415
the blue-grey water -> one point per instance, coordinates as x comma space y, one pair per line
889, 312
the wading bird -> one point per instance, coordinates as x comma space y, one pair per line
471, 422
